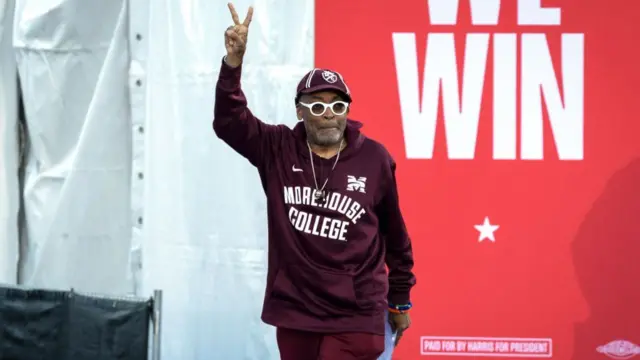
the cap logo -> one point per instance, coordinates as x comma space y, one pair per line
329, 77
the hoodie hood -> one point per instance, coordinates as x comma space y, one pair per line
354, 138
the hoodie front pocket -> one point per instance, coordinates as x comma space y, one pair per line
319, 292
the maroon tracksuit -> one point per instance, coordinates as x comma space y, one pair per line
326, 267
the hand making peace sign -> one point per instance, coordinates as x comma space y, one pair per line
235, 37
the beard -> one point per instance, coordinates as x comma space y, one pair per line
324, 137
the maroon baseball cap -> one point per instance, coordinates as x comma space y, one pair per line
321, 80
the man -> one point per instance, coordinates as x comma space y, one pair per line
333, 213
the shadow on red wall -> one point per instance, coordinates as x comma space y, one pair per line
606, 255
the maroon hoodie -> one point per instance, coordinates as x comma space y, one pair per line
326, 267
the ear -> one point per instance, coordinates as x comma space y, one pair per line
299, 112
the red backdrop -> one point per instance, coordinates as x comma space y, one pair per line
562, 277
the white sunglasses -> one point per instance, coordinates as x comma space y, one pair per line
318, 108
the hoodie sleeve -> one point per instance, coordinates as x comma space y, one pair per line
234, 123
399, 256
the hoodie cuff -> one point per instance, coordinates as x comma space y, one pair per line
398, 298
229, 76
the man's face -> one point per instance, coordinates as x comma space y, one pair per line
323, 128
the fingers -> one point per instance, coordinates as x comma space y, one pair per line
234, 42
234, 14
233, 36
391, 323
247, 20
236, 19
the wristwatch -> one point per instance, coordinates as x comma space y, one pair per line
400, 309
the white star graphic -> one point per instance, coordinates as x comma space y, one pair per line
486, 230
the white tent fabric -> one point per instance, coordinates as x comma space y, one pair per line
127, 188
9, 153
73, 61
204, 209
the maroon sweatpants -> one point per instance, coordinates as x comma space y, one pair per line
303, 345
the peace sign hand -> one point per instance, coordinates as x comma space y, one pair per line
235, 37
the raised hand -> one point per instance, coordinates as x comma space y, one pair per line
235, 37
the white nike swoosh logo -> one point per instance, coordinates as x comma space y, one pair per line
295, 169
